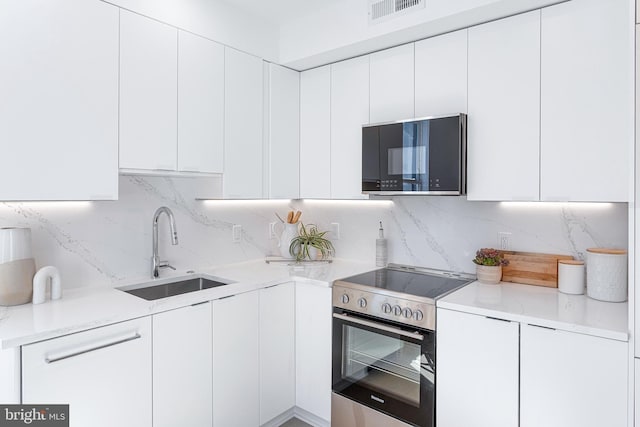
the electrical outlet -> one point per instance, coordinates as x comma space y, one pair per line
236, 233
504, 241
272, 230
335, 230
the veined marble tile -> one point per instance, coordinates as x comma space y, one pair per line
108, 243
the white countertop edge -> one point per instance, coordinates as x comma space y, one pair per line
115, 306
526, 304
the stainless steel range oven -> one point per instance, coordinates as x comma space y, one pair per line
383, 367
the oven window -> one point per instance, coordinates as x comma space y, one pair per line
382, 363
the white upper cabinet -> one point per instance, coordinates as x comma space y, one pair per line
391, 90
148, 93
478, 368
577, 380
315, 133
587, 101
284, 133
441, 75
59, 109
504, 109
349, 111
200, 104
243, 100
182, 378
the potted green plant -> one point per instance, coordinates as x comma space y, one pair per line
489, 264
309, 243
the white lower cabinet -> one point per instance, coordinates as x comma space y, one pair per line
477, 375
510, 374
103, 374
236, 398
571, 380
277, 351
182, 378
313, 349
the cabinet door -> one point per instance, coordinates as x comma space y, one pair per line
477, 376
59, 109
284, 133
571, 380
315, 133
587, 101
441, 75
243, 126
200, 104
504, 109
391, 90
637, 392
277, 351
182, 378
349, 111
148, 93
104, 374
313, 349
236, 398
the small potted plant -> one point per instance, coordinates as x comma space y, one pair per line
489, 264
310, 243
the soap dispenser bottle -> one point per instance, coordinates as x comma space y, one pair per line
381, 248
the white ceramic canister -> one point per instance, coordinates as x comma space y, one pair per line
607, 274
17, 266
571, 276
15, 243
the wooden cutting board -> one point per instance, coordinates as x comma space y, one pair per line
532, 268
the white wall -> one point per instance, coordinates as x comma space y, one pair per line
341, 30
109, 243
213, 19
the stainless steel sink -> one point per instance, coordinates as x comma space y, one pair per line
151, 291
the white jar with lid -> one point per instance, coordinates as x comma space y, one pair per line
571, 276
607, 274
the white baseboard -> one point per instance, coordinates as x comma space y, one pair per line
300, 414
310, 418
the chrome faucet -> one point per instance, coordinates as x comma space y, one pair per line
156, 264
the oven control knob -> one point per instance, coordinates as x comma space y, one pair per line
418, 315
386, 308
345, 299
362, 303
407, 312
397, 310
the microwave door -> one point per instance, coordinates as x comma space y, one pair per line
403, 160
370, 159
404, 157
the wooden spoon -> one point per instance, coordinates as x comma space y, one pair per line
297, 217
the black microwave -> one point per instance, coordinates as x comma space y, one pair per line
418, 156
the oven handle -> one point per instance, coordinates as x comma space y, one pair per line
374, 325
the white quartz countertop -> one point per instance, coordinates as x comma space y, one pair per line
541, 306
85, 308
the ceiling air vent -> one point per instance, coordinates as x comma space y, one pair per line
382, 10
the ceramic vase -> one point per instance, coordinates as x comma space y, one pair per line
489, 274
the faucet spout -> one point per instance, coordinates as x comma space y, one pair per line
156, 264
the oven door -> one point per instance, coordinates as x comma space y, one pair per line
385, 366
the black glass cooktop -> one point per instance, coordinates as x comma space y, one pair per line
408, 282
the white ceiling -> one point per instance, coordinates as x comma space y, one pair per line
280, 11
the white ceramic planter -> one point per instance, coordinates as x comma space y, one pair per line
489, 274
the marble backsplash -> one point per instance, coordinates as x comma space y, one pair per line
109, 243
